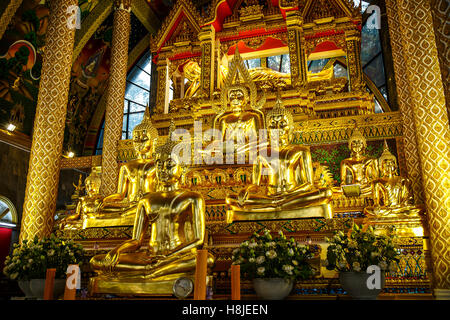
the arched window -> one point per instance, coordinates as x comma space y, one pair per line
137, 95
372, 61
8, 213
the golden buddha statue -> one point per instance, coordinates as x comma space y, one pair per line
358, 171
176, 218
239, 118
391, 193
87, 205
135, 179
290, 192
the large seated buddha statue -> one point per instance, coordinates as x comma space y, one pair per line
290, 192
358, 171
135, 179
391, 193
176, 220
87, 205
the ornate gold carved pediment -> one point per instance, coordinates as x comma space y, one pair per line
166, 34
321, 9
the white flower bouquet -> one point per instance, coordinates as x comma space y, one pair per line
360, 249
262, 256
31, 259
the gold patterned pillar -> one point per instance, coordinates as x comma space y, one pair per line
404, 97
49, 123
207, 37
353, 43
423, 76
115, 95
440, 10
162, 89
8, 14
297, 53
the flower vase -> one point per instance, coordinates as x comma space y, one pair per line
272, 288
37, 287
355, 284
24, 285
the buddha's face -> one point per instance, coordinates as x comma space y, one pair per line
280, 123
236, 98
357, 146
388, 166
168, 170
142, 142
91, 187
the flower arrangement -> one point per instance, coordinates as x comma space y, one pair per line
32, 258
262, 256
360, 249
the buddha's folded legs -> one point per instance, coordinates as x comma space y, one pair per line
141, 265
284, 202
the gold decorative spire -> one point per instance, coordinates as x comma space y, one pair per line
280, 110
167, 147
237, 69
387, 155
146, 125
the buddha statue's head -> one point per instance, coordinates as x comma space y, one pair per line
357, 142
387, 162
280, 119
144, 136
237, 97
92, 183
168, 165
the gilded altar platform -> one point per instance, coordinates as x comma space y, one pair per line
319, 211
138, 287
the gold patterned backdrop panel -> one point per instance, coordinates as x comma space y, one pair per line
43, 173
8, 14
432, 126
441, 13
405, 104
114, 100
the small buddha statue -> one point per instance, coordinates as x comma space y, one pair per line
135, 177
87, 205
290, 192
78, 189
239, 118
176, 218
358, 171
391, 192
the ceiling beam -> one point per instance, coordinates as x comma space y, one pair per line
146, 16
8, 14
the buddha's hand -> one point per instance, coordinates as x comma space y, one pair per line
110, 261
244, 193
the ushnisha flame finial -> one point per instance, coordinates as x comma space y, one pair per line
167, 147
279, 110
387, 155
146, 125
